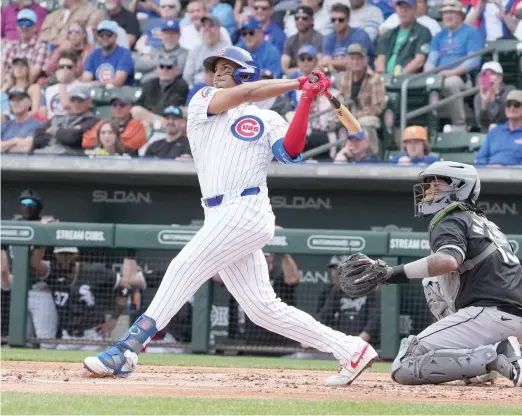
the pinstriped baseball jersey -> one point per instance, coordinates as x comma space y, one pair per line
232, 150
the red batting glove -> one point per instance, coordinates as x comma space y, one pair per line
302, 81
313, 89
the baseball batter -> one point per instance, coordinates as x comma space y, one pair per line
233, 143
472, 282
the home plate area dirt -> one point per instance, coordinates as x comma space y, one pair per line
71, 378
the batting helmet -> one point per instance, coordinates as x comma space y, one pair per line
247, 71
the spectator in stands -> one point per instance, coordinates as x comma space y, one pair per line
212, 44
365, 91
56, 97
306, 35
356, 149
489, 102
191, 27
387, 7
28, 46
109, 141
404, 49
335, 44
208, 80
77, 42
158, 93
494, 18
455, 41
174, 143
147, 9
122, 39
19, 79
131, 131
321, 18
63, 134
503, 143
56, 24
421, 8
224, 13
9, 19
353, 316
265, 54
416, 148
111, 64
263, 12
125, 19
17, 134
4, 106
366, 16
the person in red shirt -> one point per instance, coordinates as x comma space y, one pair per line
9, 21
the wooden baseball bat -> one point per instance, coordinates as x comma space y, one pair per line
343, 114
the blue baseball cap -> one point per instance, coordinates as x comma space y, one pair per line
26, 15
170, 24
410, 3
108, 25
251, 24
173, 111
307, 50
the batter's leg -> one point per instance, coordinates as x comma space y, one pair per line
472, 342
248, 281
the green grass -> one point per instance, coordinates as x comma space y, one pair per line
186, 360
29, 403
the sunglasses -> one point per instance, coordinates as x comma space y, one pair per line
105, 34
168, 6
119, 104
25, 23
77, 100
303, 18
248, 33
74, 31
306, 58
263, 8
65, 66
29, 201
167, 67
515, 104
337, 20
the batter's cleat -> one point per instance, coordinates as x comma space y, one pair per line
511, 349
121, 359
350, 370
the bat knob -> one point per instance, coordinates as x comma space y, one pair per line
313, 78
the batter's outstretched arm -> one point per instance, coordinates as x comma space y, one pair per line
225, 99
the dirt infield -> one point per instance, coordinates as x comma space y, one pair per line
70, 378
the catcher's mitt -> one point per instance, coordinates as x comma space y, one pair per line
361, 275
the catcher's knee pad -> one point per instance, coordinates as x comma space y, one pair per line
441, 366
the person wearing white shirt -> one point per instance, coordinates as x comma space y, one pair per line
367, 17
422, 8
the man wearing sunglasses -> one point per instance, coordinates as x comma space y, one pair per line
225, 14
503, 144
9, 19
37, 53
266, 55
306, 35
320, 13
110, 64
263, 12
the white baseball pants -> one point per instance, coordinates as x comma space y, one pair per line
230, 243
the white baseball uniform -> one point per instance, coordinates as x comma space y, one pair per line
232, 151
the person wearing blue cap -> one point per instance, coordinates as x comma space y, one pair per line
28, 47
266, 55
9, 19
110, 64
125, 19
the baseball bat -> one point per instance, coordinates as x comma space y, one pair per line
343, 114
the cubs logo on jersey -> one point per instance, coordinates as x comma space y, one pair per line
205, 92
248, 128
105, 72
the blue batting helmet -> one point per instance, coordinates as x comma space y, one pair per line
247, 71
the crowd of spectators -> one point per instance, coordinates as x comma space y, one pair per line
53, 59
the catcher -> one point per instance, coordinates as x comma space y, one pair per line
472, 282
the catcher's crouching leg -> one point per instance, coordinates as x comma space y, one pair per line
415, 364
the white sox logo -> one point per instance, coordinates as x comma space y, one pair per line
248, 128
105, 72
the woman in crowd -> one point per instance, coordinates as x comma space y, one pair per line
109, 142
19, 79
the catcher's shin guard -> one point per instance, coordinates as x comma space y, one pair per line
121, 359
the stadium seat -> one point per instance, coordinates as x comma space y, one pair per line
463, 157
99, 96
132, 93
458, 142
146, 23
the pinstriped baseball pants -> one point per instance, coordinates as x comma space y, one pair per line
230, 243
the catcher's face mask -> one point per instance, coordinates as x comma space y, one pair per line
433, 194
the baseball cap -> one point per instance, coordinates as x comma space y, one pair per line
214, 19
415, 133
357, 48
410, 3
307, 50
492, 66
20, 59
108, 25
58, 250
514, 95
80, 91
30, 197
251, 24
167, 59
173, 111
123, 95
452, 6
305, 10
170, 24
26, 15
17, 92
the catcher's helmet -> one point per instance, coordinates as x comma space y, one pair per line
247, 71
463, 185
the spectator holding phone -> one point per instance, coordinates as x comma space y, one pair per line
489, 102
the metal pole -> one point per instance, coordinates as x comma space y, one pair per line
322, 148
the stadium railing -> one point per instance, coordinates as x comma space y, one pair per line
106, 243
